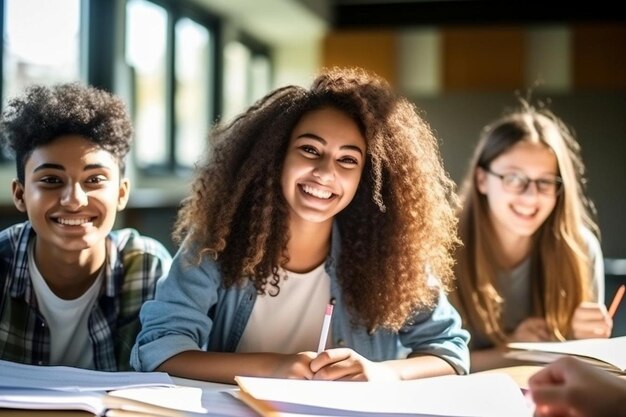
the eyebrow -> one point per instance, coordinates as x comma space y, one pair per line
323, 141
62, 168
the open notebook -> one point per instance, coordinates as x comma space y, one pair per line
67, 388
486, 395
609, 354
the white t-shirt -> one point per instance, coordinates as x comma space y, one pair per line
290, 322
67, 320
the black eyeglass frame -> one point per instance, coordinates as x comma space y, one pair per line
539, 182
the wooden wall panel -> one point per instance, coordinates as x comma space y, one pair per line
599, 55
483, 58
373, 50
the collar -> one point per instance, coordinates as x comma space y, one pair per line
21, 286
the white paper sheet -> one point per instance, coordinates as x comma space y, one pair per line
487, 395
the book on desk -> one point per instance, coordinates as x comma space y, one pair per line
609, 354
112, 393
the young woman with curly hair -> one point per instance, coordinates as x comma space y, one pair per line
531, 265
330, 194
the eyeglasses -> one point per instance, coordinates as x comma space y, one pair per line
514, 182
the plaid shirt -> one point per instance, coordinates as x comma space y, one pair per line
134, 263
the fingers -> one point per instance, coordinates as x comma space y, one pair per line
330, 356
591, 320
344, 370
533, 329
552, 395
335, 364
293, 366
548, 375
556, 388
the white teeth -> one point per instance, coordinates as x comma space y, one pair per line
317, 193
73, 222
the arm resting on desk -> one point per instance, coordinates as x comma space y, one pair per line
330, 364
492, 358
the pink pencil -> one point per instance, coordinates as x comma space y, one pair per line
325, 328
616, 300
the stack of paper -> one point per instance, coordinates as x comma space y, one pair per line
66, 388
484, 395
609, 354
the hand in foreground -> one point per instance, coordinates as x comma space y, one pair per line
591, 320
532, 329
346, 364
570, 388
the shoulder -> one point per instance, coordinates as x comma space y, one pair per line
11, 236
137, 261
138, 255
129, 242
14, 252
592, 242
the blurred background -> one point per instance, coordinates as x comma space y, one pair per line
183, 64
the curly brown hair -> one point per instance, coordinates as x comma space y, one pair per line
44, 113
396, 234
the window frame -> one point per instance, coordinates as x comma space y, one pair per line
177, 10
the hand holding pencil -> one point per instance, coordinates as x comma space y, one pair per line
593, 320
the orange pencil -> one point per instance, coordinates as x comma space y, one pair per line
616, 300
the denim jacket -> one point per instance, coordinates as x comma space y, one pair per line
193, 311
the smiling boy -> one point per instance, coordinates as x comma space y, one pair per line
70, 287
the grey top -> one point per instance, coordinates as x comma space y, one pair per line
514, 287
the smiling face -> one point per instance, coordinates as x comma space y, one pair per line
323, 165
71, 193
519, 215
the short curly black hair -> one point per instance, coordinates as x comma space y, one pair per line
43, 113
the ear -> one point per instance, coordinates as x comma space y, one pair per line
480, 177
123, 193
17, 190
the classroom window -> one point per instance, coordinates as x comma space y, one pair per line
171, 51
146, 48
247, 76
193, 107
41, 44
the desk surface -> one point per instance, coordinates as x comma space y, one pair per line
519, 373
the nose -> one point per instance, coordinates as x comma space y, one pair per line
74, 197
325, 170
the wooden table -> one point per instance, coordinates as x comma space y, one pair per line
520, 374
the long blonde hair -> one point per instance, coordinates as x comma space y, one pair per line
560, 262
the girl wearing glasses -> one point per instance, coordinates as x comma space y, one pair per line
531, 266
